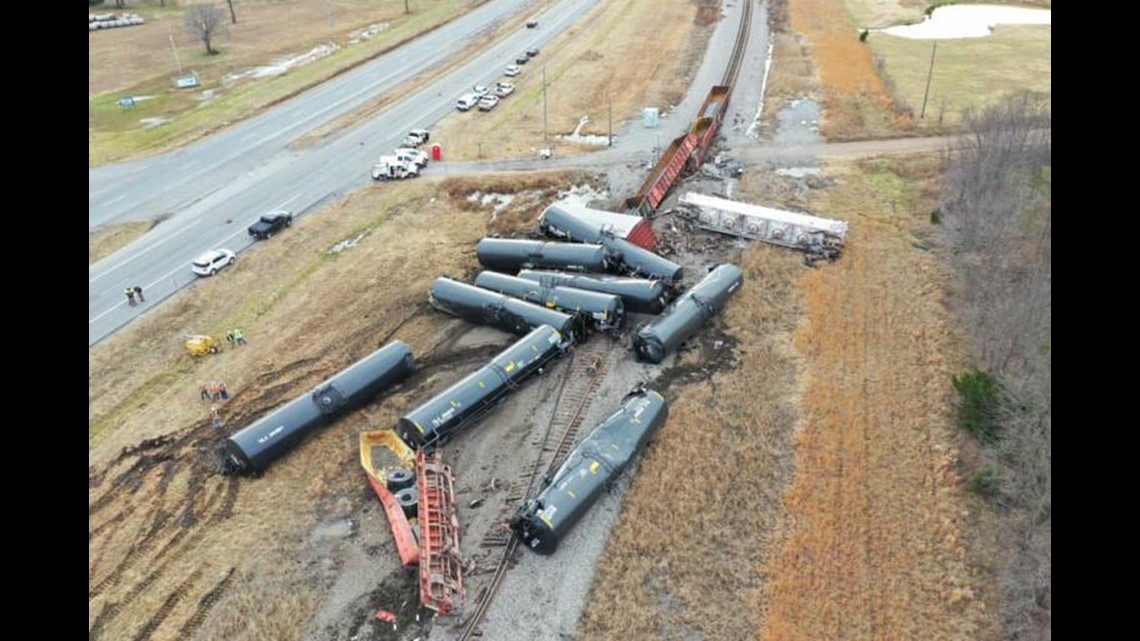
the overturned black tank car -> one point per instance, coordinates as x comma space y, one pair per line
590, 468
253, 448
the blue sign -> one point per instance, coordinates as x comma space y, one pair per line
127, 101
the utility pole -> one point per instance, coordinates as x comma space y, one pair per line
611, 134
329, 13
544, 136
928, 76
174, 48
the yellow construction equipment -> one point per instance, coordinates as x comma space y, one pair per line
201, 345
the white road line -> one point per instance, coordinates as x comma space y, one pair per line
289, 200
143, 252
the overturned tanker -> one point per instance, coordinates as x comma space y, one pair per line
511, 255
639, 295
560, 222
503, 312
605, 311
591, 467
476, 394
654, 341
253, 448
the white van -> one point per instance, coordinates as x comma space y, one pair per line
466, 101
414, 156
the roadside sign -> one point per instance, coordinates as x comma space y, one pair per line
185, 82
127, 101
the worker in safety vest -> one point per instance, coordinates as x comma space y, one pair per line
239, 339
131, 296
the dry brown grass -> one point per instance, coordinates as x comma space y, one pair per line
128, 62
706, 499
875, 546
164, 529
122, 58
111, 238
857, 104
602, 57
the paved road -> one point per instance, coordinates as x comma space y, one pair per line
749, 153
214, 189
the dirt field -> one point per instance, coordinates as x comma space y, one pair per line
139, 61
176, 551
602, 58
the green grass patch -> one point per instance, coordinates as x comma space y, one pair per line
969, 72
979, 401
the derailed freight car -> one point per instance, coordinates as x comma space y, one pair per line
253, 448
503, 312
605, 311
560, 222
469, 399
684, 317
511, 255
639, 295
591, 467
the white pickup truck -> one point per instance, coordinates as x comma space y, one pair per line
392, 168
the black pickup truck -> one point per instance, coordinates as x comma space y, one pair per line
270, 224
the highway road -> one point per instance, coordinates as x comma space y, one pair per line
210, 192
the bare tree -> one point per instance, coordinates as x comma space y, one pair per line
997, 204
204, 22
407, 9
233, 16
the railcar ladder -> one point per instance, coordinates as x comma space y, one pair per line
441, 571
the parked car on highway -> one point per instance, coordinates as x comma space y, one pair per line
480, 91
523, 59
209, 263
415, 156
531, 24
488, 103
513, 70
504, 89
270, 224
532, 52
416, 137
466, 101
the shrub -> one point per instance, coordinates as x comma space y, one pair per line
863, 36
984, 482
980, 399
935, 216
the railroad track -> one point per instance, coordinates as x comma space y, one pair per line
738, 47
583, 373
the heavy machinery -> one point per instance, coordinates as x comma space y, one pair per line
201, 345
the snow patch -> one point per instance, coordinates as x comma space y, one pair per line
500, 201
968, 21
754, 129
586, 139
347, 243
799, 172
148, 123
581, 195
283, 65
368, 33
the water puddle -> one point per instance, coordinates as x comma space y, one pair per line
798, 123
968, 21
331, 530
